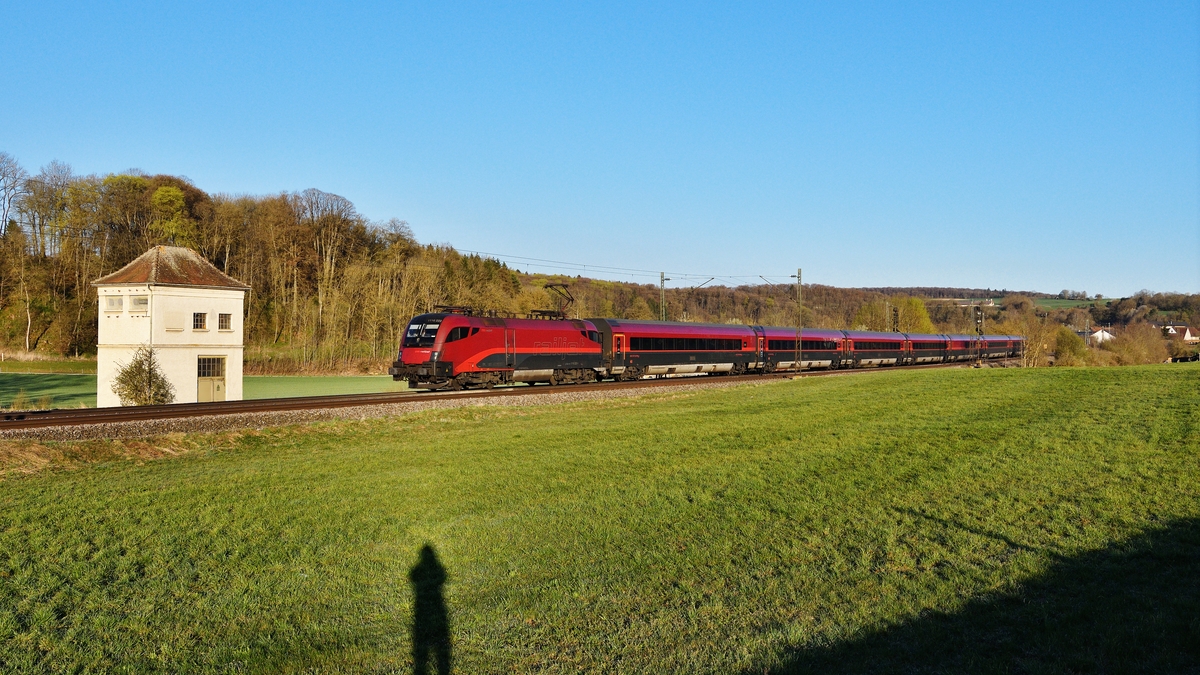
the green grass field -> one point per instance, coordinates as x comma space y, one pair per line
1061, 303
260, 386
72, 391
42, 390
948, 521
71, 366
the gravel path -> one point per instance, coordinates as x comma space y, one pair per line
275, 419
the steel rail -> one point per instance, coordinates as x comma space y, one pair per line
35, 419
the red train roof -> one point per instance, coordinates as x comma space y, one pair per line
783, 332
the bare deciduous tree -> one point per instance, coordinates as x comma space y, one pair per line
12, 187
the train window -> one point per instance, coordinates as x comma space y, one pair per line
591, 335
806, 345
474, 331
422, 334
929, 345
457, 333
865, 345
682, 344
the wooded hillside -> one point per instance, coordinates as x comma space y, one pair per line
331, 289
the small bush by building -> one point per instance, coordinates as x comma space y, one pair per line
142, 382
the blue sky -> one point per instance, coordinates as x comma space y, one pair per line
1020, 146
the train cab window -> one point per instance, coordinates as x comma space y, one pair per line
474, 331
422, 334
458, 333
592, 335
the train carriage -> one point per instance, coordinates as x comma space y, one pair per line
962, 347
928, 348
633, 349
819, 348
877, 349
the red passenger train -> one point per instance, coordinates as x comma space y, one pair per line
447, 350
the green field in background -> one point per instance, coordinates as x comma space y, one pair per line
58, 390
70, 391
1060, 303
258, 386
956, 521
76, 366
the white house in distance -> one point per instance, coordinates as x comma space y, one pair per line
176, 302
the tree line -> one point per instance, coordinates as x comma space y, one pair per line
330, 289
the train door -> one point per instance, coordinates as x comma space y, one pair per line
620, 346
510, 347
760, 349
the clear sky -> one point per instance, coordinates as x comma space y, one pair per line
1034, 146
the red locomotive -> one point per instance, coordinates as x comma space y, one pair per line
455, 350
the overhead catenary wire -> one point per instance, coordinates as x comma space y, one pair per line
527, 261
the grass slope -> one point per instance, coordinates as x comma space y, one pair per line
936, 521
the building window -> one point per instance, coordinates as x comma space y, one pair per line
211, 366
199, 321
139, 303
114, 303
225, 322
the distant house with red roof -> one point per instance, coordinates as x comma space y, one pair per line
1178, 331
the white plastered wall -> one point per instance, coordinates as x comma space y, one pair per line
167, 325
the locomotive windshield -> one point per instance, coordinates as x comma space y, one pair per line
422, 331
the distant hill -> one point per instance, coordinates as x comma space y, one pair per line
940, 292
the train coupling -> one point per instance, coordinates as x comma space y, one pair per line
430, 371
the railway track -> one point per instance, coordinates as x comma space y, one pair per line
61, 417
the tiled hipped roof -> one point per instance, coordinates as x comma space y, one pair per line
170, 266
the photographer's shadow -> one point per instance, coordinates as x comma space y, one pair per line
431, 621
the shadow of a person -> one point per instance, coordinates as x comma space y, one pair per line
431, 621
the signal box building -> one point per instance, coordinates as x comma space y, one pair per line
179, 304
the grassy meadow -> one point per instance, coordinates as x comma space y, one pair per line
58, 390
1063, 303
47, 390
288, 386
962, 520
